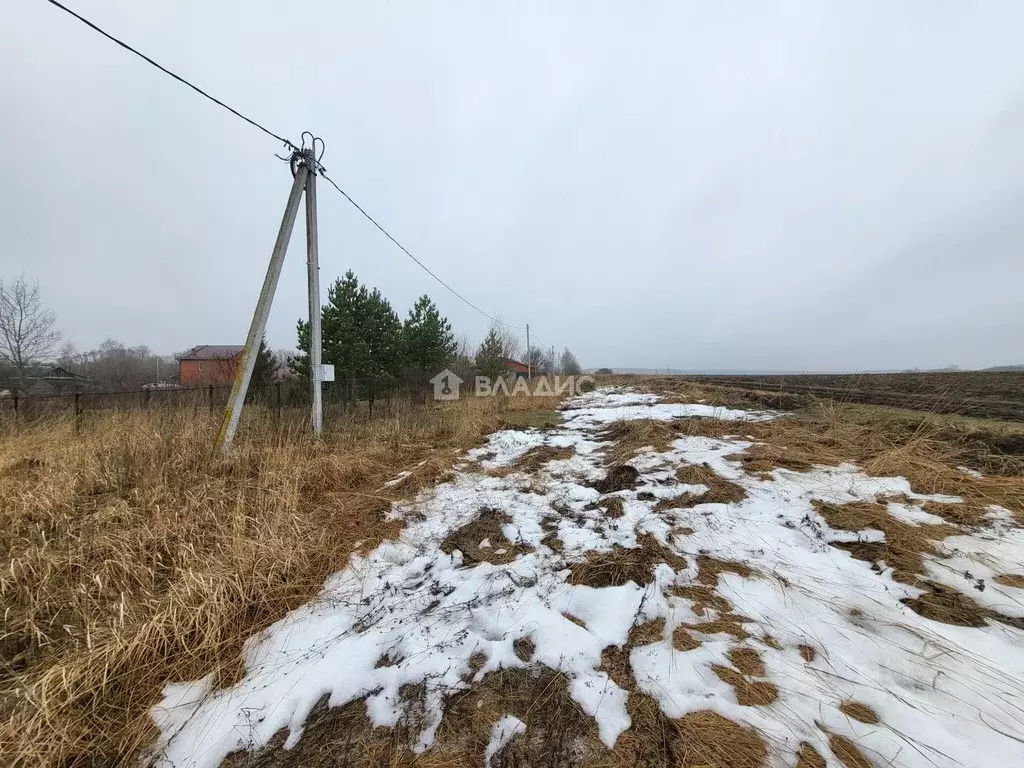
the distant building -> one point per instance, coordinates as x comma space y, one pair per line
209, 364
515, 368
55, 380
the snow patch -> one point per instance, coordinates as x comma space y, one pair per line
502, 733
407, 613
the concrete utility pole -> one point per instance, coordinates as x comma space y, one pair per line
529, 359
315, 336
304, 164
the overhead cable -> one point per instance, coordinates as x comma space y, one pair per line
408, 253
177, 77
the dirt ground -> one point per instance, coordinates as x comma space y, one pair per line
979, 394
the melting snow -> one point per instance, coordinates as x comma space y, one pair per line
503, 731
946, 695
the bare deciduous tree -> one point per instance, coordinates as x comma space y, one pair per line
115, 367
569, 364
28, 331
550, 362
538, 362
464, 352
511, 343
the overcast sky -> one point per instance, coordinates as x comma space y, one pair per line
762, 185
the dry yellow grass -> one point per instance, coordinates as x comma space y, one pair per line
702, 598
488, 524
749, 693
131, 557
558, 733
847, 753
620, 565
925, 447
708, 569
859, 711
683, 640
748, 661
628, 438
719, 490
904, 544
808, 757
533, 460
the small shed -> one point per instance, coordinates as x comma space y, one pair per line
56, 381
516, 368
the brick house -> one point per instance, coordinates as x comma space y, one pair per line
209, 364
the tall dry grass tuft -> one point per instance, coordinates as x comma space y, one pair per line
131, 557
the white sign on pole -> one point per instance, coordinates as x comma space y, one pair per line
326, 372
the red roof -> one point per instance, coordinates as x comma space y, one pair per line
515, 365
212, 352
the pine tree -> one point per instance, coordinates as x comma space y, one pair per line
382, 337
262, 380
429, 342
490, 357
298, 363
265, 367
342, 320
362, 335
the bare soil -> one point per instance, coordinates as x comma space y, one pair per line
998, 395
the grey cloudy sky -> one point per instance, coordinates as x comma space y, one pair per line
775, 185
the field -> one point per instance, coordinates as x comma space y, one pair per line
984, 395
662, 574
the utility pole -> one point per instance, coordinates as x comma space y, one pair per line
529, 359
304, 166
315, 336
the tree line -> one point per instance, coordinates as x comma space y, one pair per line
363, 336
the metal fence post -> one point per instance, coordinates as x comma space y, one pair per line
78, 415
15, 405
209, 398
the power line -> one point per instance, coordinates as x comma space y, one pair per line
166, 71
284, 141
409, 254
